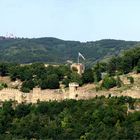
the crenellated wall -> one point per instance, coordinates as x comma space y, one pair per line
32, 97
10, 94
47, 95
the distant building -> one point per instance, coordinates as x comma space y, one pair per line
79, 67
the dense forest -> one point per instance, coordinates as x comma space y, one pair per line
97, 119
52, 50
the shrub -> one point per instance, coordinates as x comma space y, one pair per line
24, 89
118, 82
52, 82
27, 86
75, 77
108, 82
3, 85
98, 88
87, 76
131, 79
138, 67
66, 82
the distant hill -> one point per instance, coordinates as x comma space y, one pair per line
53, 50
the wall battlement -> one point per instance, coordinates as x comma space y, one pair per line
49, 95
10, 90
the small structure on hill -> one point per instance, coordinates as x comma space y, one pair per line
80, 68
73, 90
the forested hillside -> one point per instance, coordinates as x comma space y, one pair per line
50, 77
52, 50
99, 119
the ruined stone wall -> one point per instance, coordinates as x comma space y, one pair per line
10, 94
32, 97
45, 95
49, 95
132, 93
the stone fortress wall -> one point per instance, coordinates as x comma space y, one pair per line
73, 92
32, 97
49, 95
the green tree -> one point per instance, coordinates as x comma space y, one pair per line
22, 110
3, 69
75, 77
138, 67
14, 72
131, 79
66, 81
88, 76
108, 82
52, 82
97, 73
27, 86
118, 82
25, 73
111, 68
126, 64
62, 71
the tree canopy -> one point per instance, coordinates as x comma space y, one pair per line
99, 118
56, 51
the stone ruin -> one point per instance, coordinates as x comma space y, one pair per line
38, 95
79, 67
73, 92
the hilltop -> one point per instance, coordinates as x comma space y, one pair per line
107, 104
54, 51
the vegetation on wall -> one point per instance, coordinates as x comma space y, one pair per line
108, 82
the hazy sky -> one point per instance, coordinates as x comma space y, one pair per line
82, 20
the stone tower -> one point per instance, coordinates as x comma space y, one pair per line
79, 66
73, 90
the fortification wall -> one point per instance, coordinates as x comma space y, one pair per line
47, 95
10, 94
133, 94
89, 95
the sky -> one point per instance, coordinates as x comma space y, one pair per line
81, 20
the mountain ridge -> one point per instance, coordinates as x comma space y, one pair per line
54, 50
